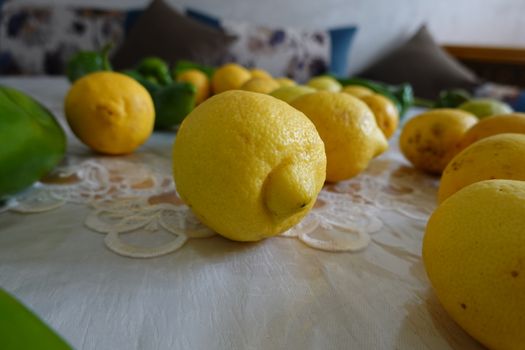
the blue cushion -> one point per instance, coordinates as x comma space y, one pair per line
518, 102
341, 39
203, 18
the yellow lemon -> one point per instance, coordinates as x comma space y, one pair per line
498, 124
429, 140
283, 81
110, 112
261, 85
199, 80
289, 93
348, 129
325, 83
474, 255
386, 113
496, 157
230, 76
260, 73
357, 90
249, 165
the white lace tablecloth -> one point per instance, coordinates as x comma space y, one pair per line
213, 293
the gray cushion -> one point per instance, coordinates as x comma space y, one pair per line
424, 64
162, 31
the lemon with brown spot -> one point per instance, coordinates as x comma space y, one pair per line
199, 80
110, 112
348, 129
430, 139
249, 165
499, 156
474, 256
230, 76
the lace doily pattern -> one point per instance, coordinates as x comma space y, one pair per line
136, 196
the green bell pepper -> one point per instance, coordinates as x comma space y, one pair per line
452, 98
172, 102
156, 70
85, 62
402, 95
21, 329
33, 142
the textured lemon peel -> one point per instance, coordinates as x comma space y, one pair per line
287, 191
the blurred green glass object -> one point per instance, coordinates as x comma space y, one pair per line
20, 329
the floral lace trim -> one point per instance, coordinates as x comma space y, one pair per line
137, 195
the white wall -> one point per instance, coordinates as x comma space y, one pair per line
383, 24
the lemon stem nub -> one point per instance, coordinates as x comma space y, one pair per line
288, 190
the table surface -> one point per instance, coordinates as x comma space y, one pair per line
218, 294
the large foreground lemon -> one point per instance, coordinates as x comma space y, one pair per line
474, 255
110, 112
348, 129
496, 157
249, 165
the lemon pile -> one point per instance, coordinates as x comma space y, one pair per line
253, 155
251, 160
474, 243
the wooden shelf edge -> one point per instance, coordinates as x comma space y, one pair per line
496, 55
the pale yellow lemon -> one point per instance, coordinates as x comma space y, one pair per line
429, 140
110, 112
260, 73
199, 80
248, 165
485, 107
357, 90
386, 113
499, 156
230, 76
498, 124
348, 129
325, 83
261, 85
474, 255
289, 93
283, 81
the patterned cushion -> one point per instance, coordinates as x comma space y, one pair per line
283, 52
296, 53
39, 39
